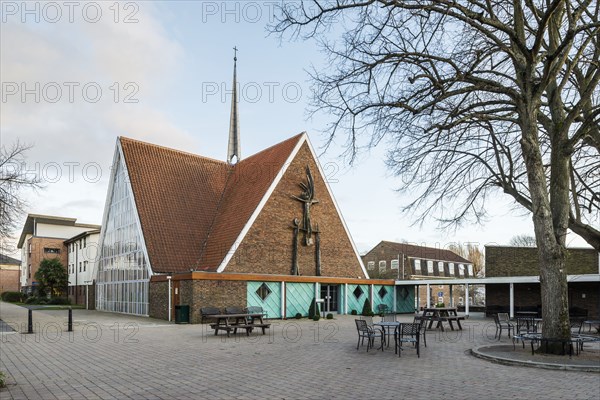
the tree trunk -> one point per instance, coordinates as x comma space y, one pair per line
554, 290
551, 252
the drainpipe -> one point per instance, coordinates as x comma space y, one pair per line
170, 306
76, 275
403, 267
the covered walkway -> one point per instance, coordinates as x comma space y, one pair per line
467, 282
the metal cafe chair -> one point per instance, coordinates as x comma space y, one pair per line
407, 333
366, 332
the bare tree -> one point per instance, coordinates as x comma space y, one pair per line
13, 180
473, 97
522, 241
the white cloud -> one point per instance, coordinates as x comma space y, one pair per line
46, 58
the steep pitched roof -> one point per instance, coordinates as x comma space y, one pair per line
423, 252
246, 186
192, 208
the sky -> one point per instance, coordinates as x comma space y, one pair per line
76, 75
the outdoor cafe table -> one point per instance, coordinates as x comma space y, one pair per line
526, 313
228, 322
441, 314
389, 326
530, 324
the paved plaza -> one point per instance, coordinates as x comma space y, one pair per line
117, 356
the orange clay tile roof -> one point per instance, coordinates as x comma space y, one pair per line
193, 208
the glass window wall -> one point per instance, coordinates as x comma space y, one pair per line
123, 270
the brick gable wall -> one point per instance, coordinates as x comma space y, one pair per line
267, 247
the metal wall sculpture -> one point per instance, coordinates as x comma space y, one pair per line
307, 197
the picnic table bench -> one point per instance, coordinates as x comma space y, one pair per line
233, 322
441, 315
207, 313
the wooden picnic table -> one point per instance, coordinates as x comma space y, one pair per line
442, 314
247, 321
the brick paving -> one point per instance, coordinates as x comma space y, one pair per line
122, 357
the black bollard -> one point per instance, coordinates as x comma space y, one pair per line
29, 321
70, 324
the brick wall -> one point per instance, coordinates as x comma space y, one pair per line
38, 244
267, 248
80, 297
591, 301
380, 253
219, 294
384, 252
9, 280
197, 294
523, 261
158, 297
528, 295
457, 292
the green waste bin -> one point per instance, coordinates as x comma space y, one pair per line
182, 314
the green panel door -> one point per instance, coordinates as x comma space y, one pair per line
266, 295
405, 299
297, 298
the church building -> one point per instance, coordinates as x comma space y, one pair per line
182, 229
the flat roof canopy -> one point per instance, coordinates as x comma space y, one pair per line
498, 279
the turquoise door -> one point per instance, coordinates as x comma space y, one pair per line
298, 297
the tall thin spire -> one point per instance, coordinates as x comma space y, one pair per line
234, 153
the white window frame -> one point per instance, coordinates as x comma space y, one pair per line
470, 269
451, 269
395, 264
461, 269
429, 267
418, 267
441, 267
371, 265
382, 265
